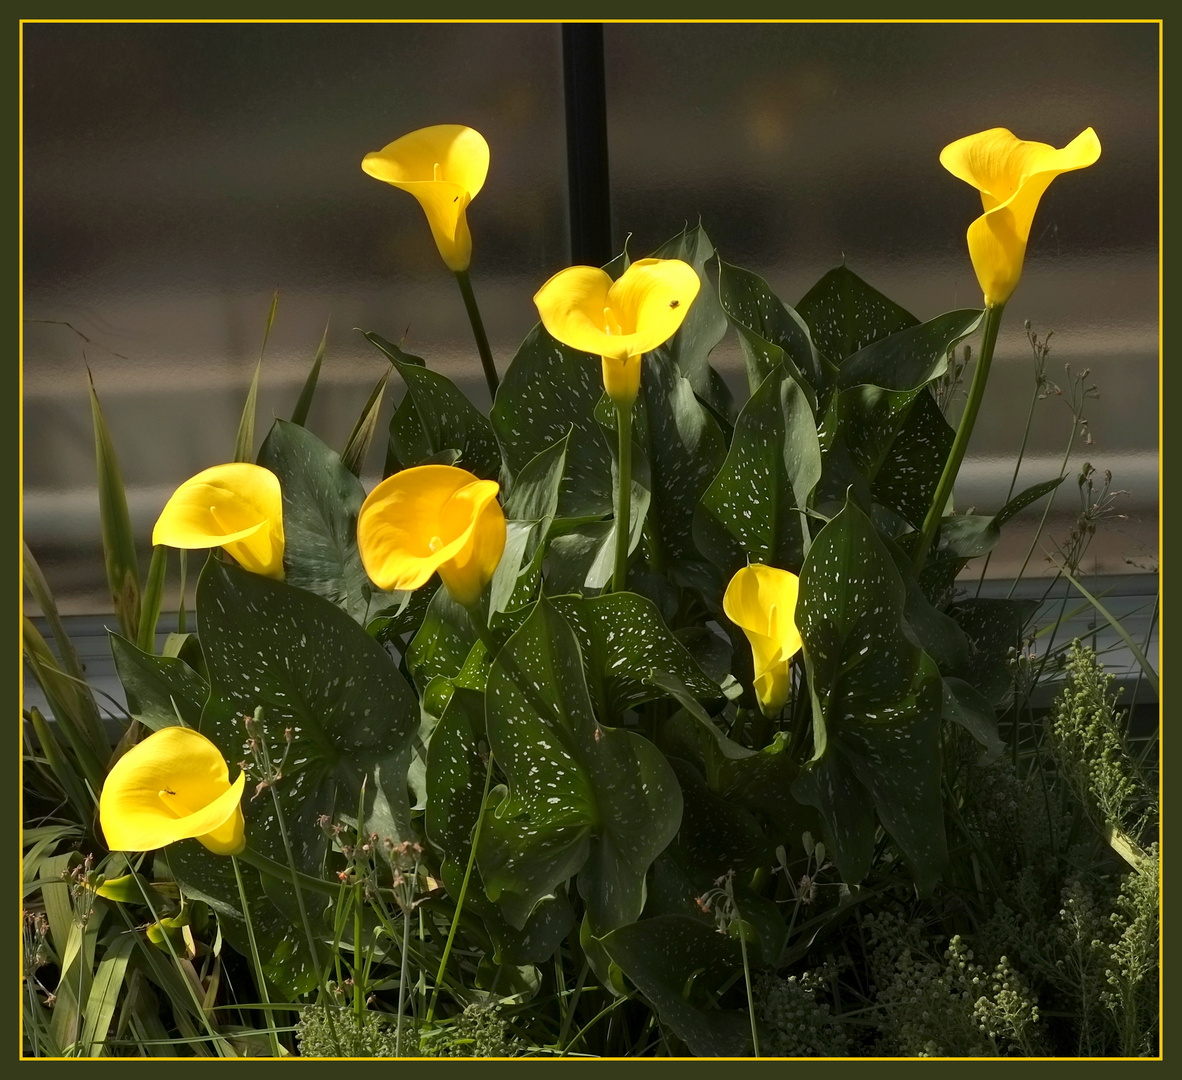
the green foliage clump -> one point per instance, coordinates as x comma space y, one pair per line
949, 1006
798, 1023
1089, 746
344, 1034
477, 1032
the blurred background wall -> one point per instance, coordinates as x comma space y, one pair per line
176, 175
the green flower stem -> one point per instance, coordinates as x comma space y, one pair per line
490, 371
272, 1034
964, 432
455, 921
747, 979
623, 497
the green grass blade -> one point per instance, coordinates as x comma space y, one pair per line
244, 446
150, 605
123, 574
1138, 655
104, 995
68, 780
300, 415
353, 456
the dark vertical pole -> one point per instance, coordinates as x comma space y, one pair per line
586, 144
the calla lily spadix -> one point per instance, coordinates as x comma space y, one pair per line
432, 518
444, 167
620, 321
175, 785
238, 507
1011, 176
761, 601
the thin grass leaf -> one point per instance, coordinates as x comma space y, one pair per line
1114, 622
123, 573
103, 998
150, 605
62, 693
353, 456
244, 445
64, 774
300, 414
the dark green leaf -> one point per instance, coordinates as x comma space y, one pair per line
528, 415
1024, 499
770, 332
907, 477
753, 510
161, 691
321, 501
670, 954
623, 640
970, 709
320, 677
357, 444
877, 699
994, 628
244, 444
583, 798
845, 314
911, 358
433, 417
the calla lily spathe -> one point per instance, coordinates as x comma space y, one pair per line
444, 167
620, 321
761, 601
238, 507
175, 785
432, 518
1011, 176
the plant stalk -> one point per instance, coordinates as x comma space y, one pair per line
623, 497
964, 432
272, 1034
490, 371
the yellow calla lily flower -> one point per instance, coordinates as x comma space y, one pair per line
444, 167
1011, 176
620, 321
432, 518
238, 507
175, 785
761, 601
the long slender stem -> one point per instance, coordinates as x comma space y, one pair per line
490, 371
964, 432
272, 1034
623, 497
402, 977
455, 921
747, 979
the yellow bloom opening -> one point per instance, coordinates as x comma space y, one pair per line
175, 785
620, 321
1011, 176
238, 507
444, 167
761, 601
432, 518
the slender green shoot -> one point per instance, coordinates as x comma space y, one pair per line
486, 359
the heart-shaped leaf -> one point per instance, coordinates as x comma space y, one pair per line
583, 798
623, 640
433, 417
845, 314
161, 690
753, 511
321, 501
336, 711
528, 416
679, 964
770, 332
877, 700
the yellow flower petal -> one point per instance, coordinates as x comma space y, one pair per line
620, 321
761, 601
432, 518
1011, 176
238, 507
444, 167
175, 785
